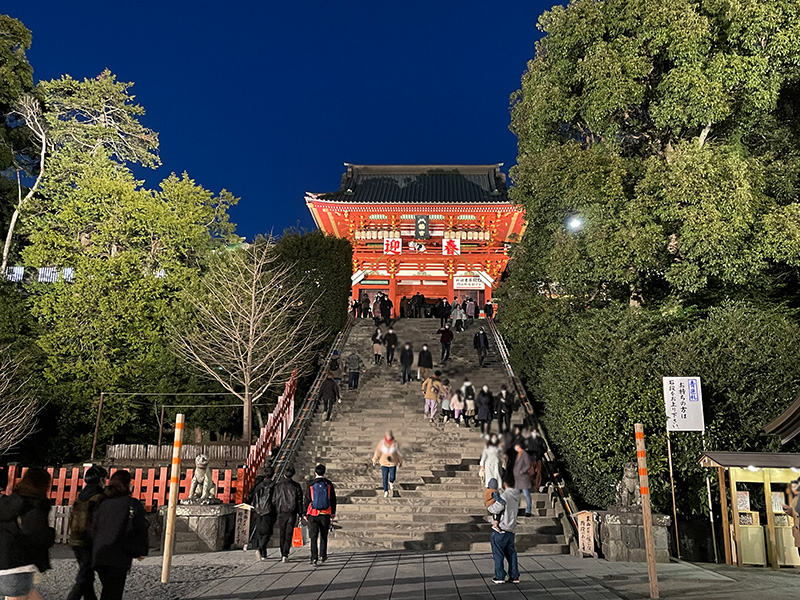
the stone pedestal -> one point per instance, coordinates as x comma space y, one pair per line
200, 528
621, 536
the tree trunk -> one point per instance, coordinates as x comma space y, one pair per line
247, 419
7, 246
198, 435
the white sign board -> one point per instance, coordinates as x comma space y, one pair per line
392, 246
467, 283
683, 403
451, 247
585, 521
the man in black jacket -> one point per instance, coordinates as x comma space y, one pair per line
80, 520
261, 499
288, 499
329, 392
320, 509
481, 343
406, 360
425, 362
390, 339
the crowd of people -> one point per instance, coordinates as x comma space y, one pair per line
107, 529
381, 309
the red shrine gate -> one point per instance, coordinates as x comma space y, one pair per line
442, 230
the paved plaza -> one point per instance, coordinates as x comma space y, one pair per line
462, 576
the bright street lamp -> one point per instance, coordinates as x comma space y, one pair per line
575, 224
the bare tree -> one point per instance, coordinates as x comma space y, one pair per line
249, 326
17, 408
29, 110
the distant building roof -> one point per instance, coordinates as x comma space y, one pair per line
414, 184
742, 460
787, 424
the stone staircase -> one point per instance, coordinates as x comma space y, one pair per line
438, 497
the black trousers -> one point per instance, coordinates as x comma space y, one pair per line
389, 355
482, 352
328, 407
113, 580
84, 580
318, 528
504, 422
286, 522
445, 351
264, 526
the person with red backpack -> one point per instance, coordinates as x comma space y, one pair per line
320, 503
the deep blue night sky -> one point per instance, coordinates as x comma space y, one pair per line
269, 101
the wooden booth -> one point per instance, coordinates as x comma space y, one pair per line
747, 540
440, 230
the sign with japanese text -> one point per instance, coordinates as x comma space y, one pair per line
422, 227
585, 521
451, 247
467, 283
242, 526
683, 402
393, 246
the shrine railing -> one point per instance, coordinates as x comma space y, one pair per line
305, 414
272, 435
559, 488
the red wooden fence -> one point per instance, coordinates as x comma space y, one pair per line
151, 486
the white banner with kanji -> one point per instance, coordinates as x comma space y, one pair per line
392, 246
451, 247
683, 402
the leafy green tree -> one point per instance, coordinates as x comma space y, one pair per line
659, 167
324, 262
132, 250
16, 80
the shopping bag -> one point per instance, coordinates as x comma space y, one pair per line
300, 536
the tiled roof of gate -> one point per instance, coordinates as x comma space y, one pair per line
421, 184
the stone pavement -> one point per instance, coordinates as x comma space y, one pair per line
443, 576
467, 576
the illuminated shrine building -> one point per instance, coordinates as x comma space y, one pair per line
442, 230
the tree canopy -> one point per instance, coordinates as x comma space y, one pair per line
659, 167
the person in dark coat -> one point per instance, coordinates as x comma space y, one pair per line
522, 478
80, 520
386, 310
406, 361
481, 343
119, 534
444, 316
390, 339
505, 405
319, 519
536, 449
364, 305
260, 498
425, 362
25, 535
446, 339
488, 310
329, 392
402, 307
288, 500
484, 409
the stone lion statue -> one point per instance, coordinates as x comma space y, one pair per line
628, 494
202, 488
